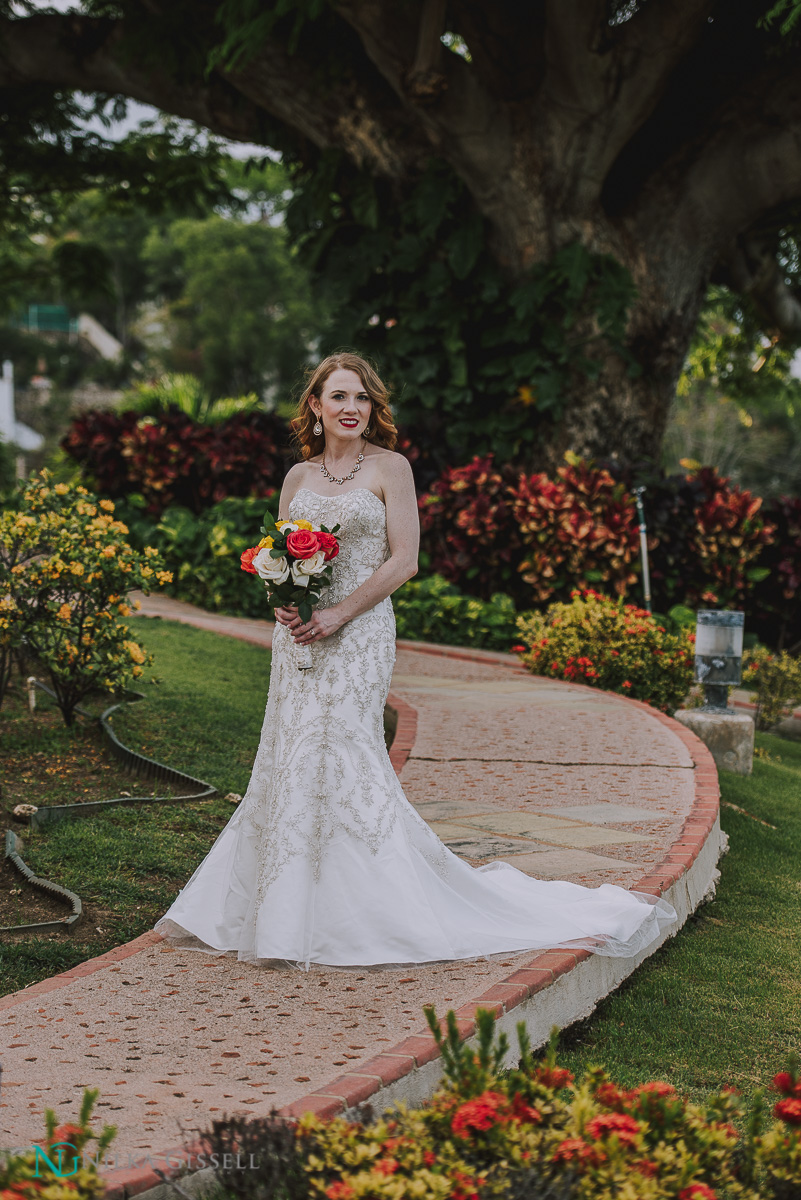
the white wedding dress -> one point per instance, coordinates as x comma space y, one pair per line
325, 861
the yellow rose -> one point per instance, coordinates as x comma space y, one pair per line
266, 543
301, 524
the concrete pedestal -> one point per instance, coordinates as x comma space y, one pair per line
729, 736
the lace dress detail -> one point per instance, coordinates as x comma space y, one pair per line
325, 860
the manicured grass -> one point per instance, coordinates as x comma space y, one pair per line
203, 715
721, 1002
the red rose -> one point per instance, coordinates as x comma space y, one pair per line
246, 559
329, 543
303, 543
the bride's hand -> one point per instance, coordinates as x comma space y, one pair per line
288, 615
322, 624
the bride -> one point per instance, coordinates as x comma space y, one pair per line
325, 861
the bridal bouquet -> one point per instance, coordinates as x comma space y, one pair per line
294, 560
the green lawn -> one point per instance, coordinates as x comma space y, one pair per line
203, 715
721, 1002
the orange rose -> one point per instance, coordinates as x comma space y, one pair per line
246, 559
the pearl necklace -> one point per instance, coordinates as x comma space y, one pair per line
333, 478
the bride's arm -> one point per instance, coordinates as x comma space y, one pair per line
403, 535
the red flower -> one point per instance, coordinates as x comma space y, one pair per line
327, 542
523, 1112
610, 1096
784, 1083
625, 683
697, 1191
553, 1077
576, 1150
429, 1158
246, 559
386, 1166
655, 1088
646, 1168
339, 1191
618, 1125
486, 1110
68, 1133
789, 1110
519, 649
302, 543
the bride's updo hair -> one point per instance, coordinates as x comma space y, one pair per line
382, 430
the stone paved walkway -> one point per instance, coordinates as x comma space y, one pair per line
562, 780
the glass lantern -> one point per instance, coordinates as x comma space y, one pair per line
718, 655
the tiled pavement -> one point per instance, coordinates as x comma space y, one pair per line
562, 780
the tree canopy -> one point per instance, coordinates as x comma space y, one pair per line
520, 207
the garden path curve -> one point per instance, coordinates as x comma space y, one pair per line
563, 780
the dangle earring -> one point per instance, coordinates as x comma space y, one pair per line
318, 429
367, 431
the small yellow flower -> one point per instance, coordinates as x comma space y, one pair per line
123, 610
163, 577
109, 551
151, 552
108, 505
147, 572
135, 650
76, 568
65, 612
61, 489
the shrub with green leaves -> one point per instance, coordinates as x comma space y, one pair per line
203, 550
776, 680
66, 567
433, 610
608, 644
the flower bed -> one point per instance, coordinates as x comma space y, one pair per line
608, 644
531, 1131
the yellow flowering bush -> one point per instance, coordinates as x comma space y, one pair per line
65, 568
532, 1132
609, 644
64, 1167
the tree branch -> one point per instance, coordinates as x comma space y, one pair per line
275, 91
744, 163
752, 270
602, 82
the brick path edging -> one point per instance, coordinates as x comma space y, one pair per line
535, 993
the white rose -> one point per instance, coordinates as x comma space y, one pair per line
309, 566
271, 570
289, 527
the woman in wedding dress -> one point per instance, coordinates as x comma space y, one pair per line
325, 861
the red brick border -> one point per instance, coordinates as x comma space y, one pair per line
356, 1086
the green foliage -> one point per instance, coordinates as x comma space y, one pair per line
478, 361
433, 610
605, 643
73, 1174
65, 570
185, 392
776, 679
238, 303
203, 552
533, 1132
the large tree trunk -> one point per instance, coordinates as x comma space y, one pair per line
663, 136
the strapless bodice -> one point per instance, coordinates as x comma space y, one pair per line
363, 544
